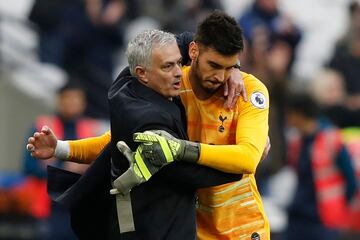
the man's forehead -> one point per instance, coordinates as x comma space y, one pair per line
211, 50
167, 52
213, 56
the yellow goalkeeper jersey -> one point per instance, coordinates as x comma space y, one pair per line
235, 142
234, 210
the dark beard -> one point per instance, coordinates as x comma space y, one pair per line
198, 78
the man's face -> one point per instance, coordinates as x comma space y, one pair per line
71, 103
211, 68
165, 73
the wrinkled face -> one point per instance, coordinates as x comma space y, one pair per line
71, 103
211, 68
165, 73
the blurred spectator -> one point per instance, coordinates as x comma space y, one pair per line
67, 123
271, 41
272, 69
264, 25
80, 37
346, 58
270, 64
177, 16
328, 88
326, 177
193, 12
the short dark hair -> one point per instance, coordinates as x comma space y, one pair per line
302, 103
220, 32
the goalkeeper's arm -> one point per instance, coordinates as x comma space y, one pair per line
83, 150
161, 146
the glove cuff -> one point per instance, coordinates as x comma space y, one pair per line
191, 152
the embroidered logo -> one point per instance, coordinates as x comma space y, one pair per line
222, 119
258, 100
255, 236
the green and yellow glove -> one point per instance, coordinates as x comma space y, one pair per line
139, 170
160, 148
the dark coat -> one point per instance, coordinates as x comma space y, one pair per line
163, 207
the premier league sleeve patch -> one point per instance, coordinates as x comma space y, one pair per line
258, 100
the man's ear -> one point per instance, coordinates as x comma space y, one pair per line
140, 73
193, 50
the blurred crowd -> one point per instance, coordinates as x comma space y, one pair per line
86, 38
81, 36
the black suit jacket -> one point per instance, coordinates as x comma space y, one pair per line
163, 207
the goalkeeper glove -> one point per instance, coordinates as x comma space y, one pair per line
160, 147
139, 171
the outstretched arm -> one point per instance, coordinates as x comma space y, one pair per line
45, 145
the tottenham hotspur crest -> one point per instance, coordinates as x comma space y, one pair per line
222, 119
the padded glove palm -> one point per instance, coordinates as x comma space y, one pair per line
140, 170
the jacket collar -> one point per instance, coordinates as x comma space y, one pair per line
150, 95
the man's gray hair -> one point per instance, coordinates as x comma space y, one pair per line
139, 50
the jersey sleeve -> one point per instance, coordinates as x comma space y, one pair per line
189, 175
87, 149
251, 135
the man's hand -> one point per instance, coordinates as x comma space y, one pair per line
140, 169
234, 88
42, 145
161, 148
